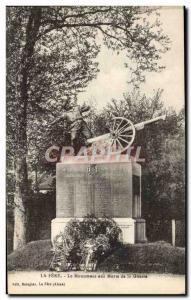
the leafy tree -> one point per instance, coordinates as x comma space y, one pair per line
51, 55
162, 146
164, 179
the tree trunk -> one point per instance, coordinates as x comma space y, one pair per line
21, 199
20, 222
21, 173
20, 202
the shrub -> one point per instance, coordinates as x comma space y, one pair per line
83, 243
35, 255
159, 257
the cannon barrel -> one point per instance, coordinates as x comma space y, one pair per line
98, 138
138, 126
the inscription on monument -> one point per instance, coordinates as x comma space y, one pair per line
102, 190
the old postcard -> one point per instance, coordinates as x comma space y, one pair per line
95, 150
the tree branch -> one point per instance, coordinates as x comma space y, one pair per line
111, 36
56, 26
88, 13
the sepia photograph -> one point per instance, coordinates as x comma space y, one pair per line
95, 150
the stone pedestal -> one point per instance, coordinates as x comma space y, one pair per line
57, 226
127, 226
102, 189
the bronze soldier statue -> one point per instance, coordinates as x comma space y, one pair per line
75, 124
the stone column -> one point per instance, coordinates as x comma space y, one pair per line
140, 231
140, 224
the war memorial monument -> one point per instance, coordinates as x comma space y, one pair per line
102, 184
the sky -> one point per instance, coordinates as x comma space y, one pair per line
111, 81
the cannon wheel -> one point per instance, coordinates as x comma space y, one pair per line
122, 134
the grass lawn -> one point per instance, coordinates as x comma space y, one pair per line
158, 257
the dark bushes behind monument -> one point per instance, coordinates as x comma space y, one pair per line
42, 211
161, 230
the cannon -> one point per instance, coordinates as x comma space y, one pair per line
121, 134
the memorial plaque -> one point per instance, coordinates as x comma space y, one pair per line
104, 190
